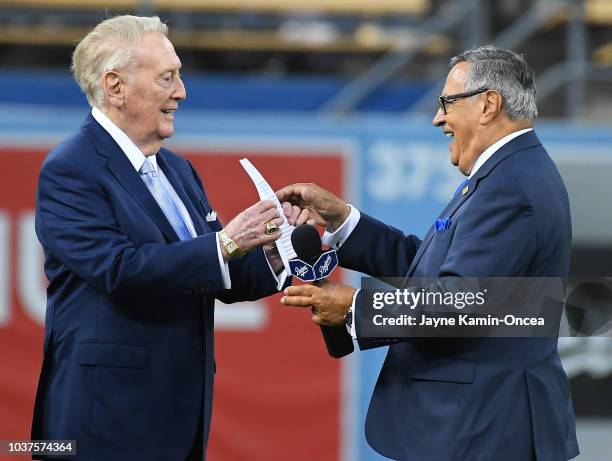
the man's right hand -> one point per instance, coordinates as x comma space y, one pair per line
323, 207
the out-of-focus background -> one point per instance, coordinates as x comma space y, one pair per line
339, 92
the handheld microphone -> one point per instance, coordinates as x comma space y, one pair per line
314, 265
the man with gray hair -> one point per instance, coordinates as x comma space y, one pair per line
453, 398
135, 258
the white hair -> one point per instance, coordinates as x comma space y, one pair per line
109, 46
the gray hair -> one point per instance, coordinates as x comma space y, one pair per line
505, 71
109, 46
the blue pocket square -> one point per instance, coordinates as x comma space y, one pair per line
442, 224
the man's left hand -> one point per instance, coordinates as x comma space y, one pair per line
329, 301
274, 258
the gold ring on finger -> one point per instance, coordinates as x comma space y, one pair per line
271, 228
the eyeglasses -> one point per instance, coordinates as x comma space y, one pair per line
444, 100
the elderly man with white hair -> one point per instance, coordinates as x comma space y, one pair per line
135, 259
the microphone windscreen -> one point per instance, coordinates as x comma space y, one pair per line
306, 243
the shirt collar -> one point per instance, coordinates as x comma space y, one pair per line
486, 155
131, 150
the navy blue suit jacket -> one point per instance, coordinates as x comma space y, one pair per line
478, 399
128, 354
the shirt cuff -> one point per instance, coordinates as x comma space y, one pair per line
338, 237
353, 309
225, 275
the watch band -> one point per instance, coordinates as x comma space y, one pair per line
230, 246
349, 318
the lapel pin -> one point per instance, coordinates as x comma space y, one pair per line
465, 190
212, 216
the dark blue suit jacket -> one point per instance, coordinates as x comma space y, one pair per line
129, 352
502, 399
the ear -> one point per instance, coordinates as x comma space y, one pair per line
114, 88
492, 106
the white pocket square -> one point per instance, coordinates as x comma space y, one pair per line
212, 216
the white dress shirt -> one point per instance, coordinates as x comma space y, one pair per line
337, 238
489, 151
137, 158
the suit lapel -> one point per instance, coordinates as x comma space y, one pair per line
422, 247
177, 184
525, 141
448, 212
522, 142
121, 168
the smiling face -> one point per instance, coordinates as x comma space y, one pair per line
462, 121
152, 89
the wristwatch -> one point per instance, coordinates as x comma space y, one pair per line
230, 246
349, 318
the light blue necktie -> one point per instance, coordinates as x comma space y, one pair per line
164, 200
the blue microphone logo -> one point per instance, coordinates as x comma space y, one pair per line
302, 270
321, 269
326, 263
